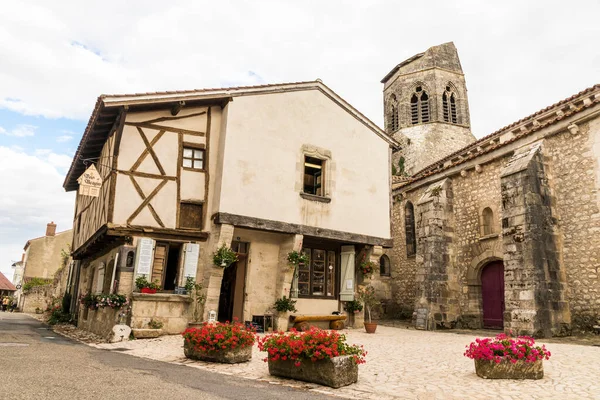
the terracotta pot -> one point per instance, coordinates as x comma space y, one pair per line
370, 327
148, 290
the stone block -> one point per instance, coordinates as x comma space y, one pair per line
489, 369
146, 333
226, 356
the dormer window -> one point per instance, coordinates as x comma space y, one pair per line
419, 106
449, 106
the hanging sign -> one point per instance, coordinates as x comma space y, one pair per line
90, 182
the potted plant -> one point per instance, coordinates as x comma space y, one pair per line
228, 343
366, 295
194, 290
353, 307
295, 258
367, 267
224, 257
505, 357
283, 306
141, 282
316, 355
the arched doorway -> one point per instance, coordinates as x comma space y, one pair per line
492, 294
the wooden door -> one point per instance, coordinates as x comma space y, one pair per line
160, 261
492, 292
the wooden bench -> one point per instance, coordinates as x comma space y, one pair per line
302, 322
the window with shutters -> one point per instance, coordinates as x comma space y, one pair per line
190, 215
449, 106
409, 226
419, 106
317, 277
166, 266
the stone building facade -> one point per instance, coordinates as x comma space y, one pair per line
503, 232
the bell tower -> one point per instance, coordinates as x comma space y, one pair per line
426, 108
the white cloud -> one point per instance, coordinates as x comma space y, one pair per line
56, 60
32, 196
64, 138
22, 130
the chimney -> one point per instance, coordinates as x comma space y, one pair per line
51, 229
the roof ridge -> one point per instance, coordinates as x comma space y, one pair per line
505, 128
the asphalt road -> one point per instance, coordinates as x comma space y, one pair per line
36, 363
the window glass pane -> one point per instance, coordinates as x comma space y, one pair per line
187, 152
199, 154
187, 163
330, 273
199, 164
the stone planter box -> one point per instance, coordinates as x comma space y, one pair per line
488, 369
146, 333
335, 372
230, 356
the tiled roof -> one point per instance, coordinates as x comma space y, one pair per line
492, 142
5, 284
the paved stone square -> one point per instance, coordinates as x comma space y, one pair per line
409, 364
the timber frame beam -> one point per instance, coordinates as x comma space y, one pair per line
284, 227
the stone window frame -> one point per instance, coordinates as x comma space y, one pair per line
412, 239
422, 108
494, 227
385, 269
450, 111
308, 150
394, 121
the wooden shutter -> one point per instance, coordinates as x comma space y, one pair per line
158, 266
100, 278
144, 257
190, 264
347, 273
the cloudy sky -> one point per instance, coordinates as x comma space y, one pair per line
57, 57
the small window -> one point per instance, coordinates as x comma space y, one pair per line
313, 176
193, 158
190, 215
487, 219
409, 226
384, 266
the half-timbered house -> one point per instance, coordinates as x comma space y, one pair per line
263, 170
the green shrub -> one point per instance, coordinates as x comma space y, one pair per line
285, 304
33, 282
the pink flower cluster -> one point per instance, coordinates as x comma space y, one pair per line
504, 347
314, 344
219, 336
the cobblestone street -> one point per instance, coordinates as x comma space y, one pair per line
409, 364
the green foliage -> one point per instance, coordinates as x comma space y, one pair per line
153, 324
64, 255
189, 284
57, 316
33, 282
436, 191
295, 258
394, 170
354, 306
366, 295
224, 257
142, 282
285, 304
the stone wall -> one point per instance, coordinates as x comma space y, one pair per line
37, 297
173, 310
574, 175
100, 321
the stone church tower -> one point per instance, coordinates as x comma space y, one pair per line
426, 108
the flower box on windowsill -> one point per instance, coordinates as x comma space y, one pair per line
147, 290
334, 372
489, 369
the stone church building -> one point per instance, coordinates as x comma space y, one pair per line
501, 232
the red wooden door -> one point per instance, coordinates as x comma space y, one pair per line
492, 292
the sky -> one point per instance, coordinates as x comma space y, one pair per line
57, 57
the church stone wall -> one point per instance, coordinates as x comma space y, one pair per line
574, 177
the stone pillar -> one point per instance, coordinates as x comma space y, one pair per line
438, 298
220, 235
286, 271
534, 281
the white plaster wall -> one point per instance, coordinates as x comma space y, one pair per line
264, 139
